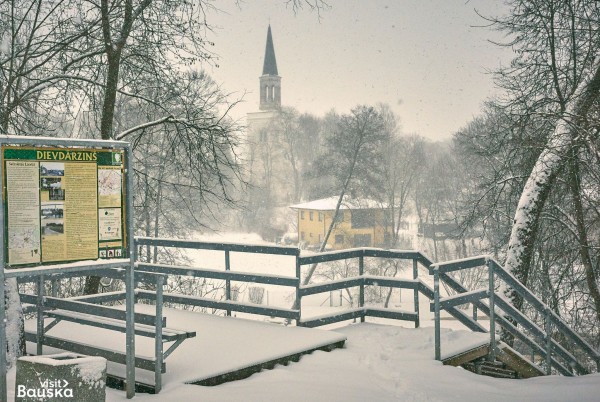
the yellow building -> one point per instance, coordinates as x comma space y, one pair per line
361, 223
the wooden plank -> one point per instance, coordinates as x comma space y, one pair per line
517, 362
332, 318
391, 314
268, 365
330, 286
218, 274
168, 334
101, 297
145, 363
457, 265
222, 305
89, 308
392, 282
467, 356
331, 256
395, 254
463, 298
222, 246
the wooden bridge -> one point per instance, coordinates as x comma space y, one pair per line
92, 324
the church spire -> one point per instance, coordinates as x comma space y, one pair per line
270, 64
270, 81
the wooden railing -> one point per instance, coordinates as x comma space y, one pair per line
562, 357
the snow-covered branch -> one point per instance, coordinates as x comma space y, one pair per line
143, 126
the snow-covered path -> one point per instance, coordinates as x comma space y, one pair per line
379, 363
382, 363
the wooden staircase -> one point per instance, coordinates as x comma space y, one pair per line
508, 363
539, 330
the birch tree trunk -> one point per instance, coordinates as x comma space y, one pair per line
551, 161
15, 339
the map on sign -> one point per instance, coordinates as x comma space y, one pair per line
109, 182
62, 204
27, 238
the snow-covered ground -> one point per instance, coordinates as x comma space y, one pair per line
379, 363
382, 360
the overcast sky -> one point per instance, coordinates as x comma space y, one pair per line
428, 59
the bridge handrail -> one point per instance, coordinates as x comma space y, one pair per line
441, 270
542, 307
220, 246
362, 280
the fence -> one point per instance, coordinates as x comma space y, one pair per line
229, 304
295, 313
362, 280
88, 310
562, 357
557, 356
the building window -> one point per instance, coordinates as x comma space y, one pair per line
362, 240
311, 235
320, 238
301, 214
387, 238
340, 217
339, 239
311, 215
362, 219
302, 236
320, 216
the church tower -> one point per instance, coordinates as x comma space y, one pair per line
270, 94
270, 81
268, 170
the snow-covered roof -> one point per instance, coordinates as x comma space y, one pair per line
329, 204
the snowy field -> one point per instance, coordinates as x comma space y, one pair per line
382, 360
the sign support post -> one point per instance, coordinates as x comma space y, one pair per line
3, 363
130, 283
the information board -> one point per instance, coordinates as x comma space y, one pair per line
62, 205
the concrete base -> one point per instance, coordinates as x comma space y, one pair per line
61, 377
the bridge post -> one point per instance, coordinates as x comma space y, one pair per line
361, 298
40, 315
298, 295
227, 281
416, 292
436, 315
158, 343
3, 362
548, 329
491, 295
130, 284
54, 288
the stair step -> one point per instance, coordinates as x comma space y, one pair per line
508, 363
490, 369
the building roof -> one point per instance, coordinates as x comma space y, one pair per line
329, 204
270, 64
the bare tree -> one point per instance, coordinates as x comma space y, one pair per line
559, 44
36, 37
352, 151
534, 149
